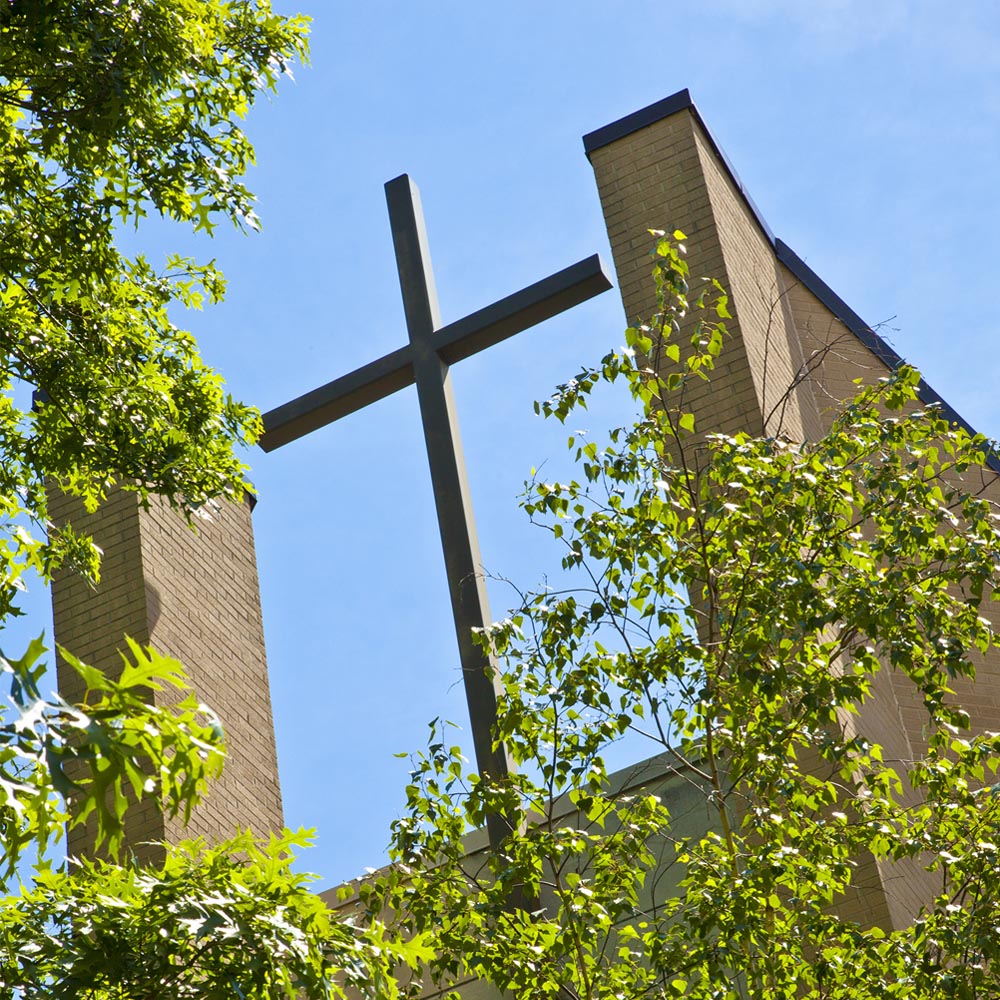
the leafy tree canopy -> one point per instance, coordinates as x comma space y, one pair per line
202, 926
110, 110
739, 601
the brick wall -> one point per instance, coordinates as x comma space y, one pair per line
655, 179
192, 595
661, 168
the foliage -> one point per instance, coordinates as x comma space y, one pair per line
740, 600
230, 920
109, 110
200, 927
60, 763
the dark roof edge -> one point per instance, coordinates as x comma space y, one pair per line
645, 117
637, 120
876, 344
682, 101
811, 280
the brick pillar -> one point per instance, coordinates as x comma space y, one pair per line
661, 168
193, 596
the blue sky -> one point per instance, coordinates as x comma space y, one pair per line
868, 133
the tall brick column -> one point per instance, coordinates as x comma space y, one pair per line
794, 352
192, 596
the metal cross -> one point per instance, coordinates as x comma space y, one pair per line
425, 361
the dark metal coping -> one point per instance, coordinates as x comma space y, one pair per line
681, 101
637, 120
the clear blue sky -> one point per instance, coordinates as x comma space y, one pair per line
868, 134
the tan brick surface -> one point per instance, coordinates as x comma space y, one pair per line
668, 175
192, 595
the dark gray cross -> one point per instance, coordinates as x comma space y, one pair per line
425, 361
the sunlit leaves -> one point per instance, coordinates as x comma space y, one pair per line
732, 603
111, 110
227, 921
210, 921
64, 763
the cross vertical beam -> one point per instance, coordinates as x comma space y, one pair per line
469, 602
425, 361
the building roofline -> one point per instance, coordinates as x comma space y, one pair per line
681, 101
637, 120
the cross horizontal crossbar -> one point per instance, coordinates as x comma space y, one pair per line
425, 362
454, 342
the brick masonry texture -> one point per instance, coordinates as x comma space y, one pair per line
192, 595
669, 176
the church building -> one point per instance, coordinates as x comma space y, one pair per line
795, 351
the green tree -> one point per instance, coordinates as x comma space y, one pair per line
731, 602
231, 920
110, 110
